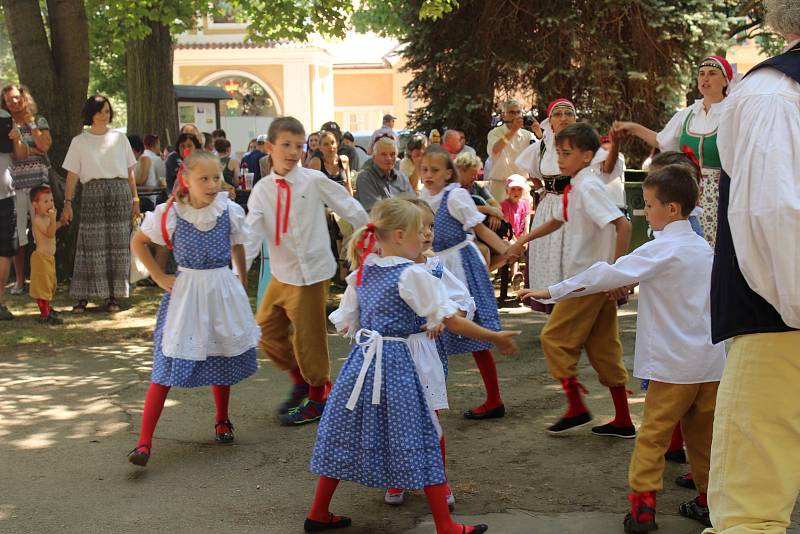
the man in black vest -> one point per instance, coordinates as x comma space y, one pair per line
755, 294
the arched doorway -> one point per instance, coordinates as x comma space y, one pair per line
250, 110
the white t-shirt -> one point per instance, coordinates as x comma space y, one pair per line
94, 157
504, 164
157, 165
588, 236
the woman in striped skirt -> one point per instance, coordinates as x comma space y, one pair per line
103, 161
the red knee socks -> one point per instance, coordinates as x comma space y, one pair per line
222, 395
676, 444
702, 499
44, 307
437, 501
486, 366
623, 414
322, 501
573, 389
319, 393
153, 404
297, 377
641, 500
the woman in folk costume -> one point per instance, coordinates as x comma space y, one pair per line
693, 130
540, 161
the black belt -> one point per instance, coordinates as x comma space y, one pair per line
555, 184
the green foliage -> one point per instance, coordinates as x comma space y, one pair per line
617, 59
8, 69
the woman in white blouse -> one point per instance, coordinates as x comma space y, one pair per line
694, 129
103, 161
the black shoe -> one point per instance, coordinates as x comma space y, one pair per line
686, 481
633, 526
678, 457
51, 319
224, 431
297, 395
319, 526
5, 315
308, 413
494, 413
140, 455
568, 423
696, 511
624, 432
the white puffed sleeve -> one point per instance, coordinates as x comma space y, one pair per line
461, 206
240, 230
346, 316
458, 293
151, 225
669, 137
528, 160
426, 295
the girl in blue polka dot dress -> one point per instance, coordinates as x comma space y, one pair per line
198, 341
377, 429
457, 222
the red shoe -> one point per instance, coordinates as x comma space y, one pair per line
642, 517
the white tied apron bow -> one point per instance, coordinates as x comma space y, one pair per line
371, 344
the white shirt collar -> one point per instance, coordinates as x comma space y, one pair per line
714, 109
677, 227
582, 174
203, 217
427, 196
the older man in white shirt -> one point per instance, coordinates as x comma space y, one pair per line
505, 143
755, 294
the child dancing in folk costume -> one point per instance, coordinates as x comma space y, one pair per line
426, 348
43, 261
595, 230
674, 350
377, 428
287, 208
457, 222
197, 342
540, 160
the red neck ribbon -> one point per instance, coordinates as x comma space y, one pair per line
365, 245
565, 201
282, 186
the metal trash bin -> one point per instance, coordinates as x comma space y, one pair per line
635, 200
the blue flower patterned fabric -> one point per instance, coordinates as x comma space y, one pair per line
196, 249
449, 232
394, 443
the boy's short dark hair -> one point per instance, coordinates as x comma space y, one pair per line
673, 157
674, 183
285, 124
349, 137
93, 105
136, 143
150, 140
35, 191
581, 136
219, 132
222, 145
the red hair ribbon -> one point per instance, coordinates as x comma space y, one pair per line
181, 188
565, 200
365, 245
282, 186
687, 150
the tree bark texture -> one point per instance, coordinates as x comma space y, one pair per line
151, 93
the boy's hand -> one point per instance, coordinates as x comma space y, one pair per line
504, 341
538, 294
516, 250
620, 293
435, 332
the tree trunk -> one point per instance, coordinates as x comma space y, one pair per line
151, 94
57, 74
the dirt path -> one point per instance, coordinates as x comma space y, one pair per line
69, 415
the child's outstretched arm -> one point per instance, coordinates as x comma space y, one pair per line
503, 340
239, 263
139, 247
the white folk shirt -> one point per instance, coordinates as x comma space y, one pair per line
94, 157
701, 123
304, 256
673, 327
504, 163
588, 233
759, 145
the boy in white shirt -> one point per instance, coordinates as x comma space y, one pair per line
287, 209
595, 230
674, 351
